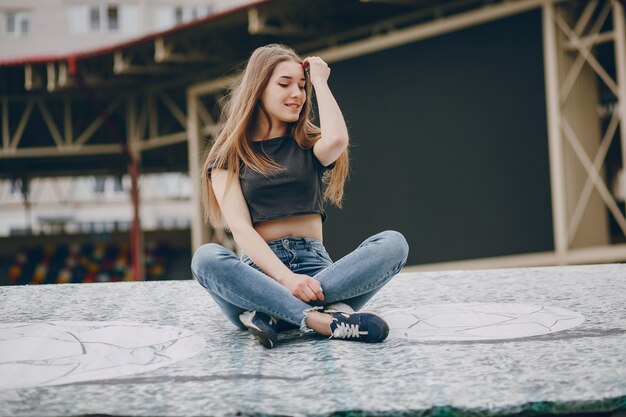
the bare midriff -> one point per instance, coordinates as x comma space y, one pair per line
306, 225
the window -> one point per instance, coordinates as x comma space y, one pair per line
184, 14
99, 184
17, 23
104, 18
118, 187
94, 18
112, 18
178, 15
168, 16
17, 185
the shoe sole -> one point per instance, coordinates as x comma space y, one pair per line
262, 338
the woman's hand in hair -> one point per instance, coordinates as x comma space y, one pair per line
317, 68
304, 287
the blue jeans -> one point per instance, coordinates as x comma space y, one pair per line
238, 285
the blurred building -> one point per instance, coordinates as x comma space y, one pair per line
90, 212
51, 27
93, 204
43, 28
490, 133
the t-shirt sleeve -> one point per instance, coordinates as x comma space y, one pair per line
329, 167
321, 167
212, 165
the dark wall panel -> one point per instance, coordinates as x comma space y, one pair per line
449, 144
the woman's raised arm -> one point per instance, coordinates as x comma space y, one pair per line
334, 131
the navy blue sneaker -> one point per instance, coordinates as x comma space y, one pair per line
262, 327
361, 327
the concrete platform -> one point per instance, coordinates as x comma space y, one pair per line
493, 342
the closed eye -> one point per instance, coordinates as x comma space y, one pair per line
287, 85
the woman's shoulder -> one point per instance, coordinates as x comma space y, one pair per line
214, 164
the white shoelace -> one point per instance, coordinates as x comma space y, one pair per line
344, 330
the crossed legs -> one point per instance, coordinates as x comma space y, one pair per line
353, 279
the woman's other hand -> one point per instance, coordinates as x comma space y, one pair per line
317, 68
304, 287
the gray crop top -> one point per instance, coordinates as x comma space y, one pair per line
295, 191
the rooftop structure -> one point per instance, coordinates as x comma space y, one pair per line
53, 27
498, 122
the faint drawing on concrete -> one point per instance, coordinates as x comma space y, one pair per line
61, 352
479, 321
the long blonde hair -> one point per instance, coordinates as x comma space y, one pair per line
241, 109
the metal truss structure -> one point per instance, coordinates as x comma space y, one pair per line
61, 137
576, 85
46, 117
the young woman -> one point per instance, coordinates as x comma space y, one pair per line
266, 175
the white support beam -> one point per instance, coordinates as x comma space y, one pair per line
173, 108
204, 114
68, 130
572, 76
258, 25
142, 123
579, 124
52, 76
199, 231
586, 53
32, 80
131, 119
120, 63
47, 151
555, 143
428, 30
165, 140
585, 17
163, 53
5, 124
123, 65
17, 137
153, 115
209, 87
64, 79
619, 26
574, 141
598, 161
601, 254
211, 130
95, 125
254, 21
57, 76
52, 127
598, 254
591, 41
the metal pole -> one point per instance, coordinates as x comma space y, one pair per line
25, 190
133, 168
198, 228
620, 66
554, 132
136, 244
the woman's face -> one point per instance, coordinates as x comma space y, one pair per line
284, 94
